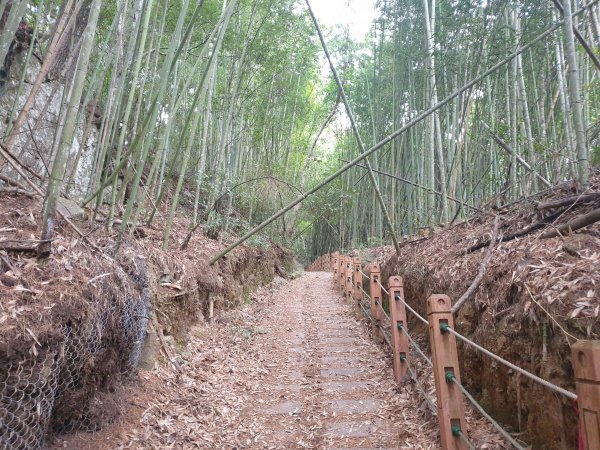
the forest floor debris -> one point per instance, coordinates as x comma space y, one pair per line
72, 324
292, 369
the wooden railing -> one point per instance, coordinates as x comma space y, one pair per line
349, 276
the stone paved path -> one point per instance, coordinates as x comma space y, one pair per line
327, 384
291, 369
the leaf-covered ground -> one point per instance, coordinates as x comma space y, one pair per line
293, 369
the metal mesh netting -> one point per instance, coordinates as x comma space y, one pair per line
53, 389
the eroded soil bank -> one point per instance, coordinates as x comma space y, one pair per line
538, 296
73, 326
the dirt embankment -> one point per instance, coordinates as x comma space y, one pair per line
72, 327
537, 297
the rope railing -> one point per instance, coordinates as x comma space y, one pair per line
417, 347
386, 337
364, 292
382, 287
348, 278
483, 412
385, 314
366, 312
466, 393
417, 315
464, 438
421, 389
510, 365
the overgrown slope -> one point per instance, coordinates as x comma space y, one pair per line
538, 296
74, 324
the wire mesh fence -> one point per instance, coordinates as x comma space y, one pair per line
53, 388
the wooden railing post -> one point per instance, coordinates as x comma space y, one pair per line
375, 289
357, 298
342, 275
349, 292
336, 268
585, 356
444, 356
398, 321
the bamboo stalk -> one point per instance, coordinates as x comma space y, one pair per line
586, 46
393, 136
68, 133
404, 180
361, 145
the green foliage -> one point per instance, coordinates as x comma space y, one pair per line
259, 241
214, 224
259, 116
595, 159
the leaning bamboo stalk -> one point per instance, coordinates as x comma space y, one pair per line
141, 30
144, 140
361, 145
417, 119
66, 140
202, 89
504, 146
412, 183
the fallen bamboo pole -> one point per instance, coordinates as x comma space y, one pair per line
574, 224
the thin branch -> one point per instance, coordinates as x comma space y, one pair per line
482, 269
10, 156
404, 180
39, 191
504, 146
550, 316
15, 190
12, 182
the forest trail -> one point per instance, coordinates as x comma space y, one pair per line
293, 369
326, 384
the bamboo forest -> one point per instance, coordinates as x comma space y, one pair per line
232, 224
